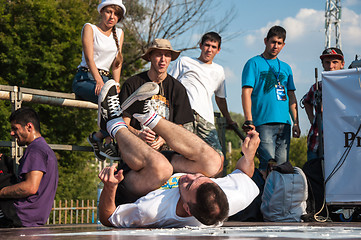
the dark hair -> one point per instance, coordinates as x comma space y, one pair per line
277, 31
25, 115
212, 36
212, 204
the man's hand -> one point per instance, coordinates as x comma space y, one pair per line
296, 131
158, 143
110, 179
250, 144
248, 126
147, 135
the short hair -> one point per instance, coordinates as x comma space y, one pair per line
277, 31
25, 115
212, 36
211, 205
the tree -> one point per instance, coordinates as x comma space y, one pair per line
171, 19
40, 47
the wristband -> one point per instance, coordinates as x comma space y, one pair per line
248, 122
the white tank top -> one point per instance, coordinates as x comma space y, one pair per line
105, 49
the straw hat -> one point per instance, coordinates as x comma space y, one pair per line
161, 44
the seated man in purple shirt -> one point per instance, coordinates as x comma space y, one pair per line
38, 172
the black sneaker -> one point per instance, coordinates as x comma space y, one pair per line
108, 104
110, 151
96, 147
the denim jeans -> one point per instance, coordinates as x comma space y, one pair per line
84, 88
275, 143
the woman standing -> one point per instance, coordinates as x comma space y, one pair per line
102, 51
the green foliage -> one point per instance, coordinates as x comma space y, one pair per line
298, 151
231, 136
40, 48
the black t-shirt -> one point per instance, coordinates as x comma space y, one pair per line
171, 102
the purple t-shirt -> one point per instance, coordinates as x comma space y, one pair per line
35, 209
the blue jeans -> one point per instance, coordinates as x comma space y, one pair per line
84, 88
275, 143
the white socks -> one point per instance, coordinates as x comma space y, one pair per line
114, 125
149, 119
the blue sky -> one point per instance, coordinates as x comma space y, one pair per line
304, 22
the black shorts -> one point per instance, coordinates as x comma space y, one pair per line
123, 195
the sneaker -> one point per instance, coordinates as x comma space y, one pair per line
145, 91
96, 147
110, 151
108, 104
108, 100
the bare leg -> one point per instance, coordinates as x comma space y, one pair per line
150, 169
196, 155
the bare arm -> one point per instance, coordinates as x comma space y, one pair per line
107, 197
296, 132
249, 148
222, 105
88, 48
25, 188
247, 104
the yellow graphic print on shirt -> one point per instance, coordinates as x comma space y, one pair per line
171, 183
161, 105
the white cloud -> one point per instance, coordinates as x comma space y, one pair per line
350, 3
229, 74
351, 29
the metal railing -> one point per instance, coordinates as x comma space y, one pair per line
17, 95
73, 212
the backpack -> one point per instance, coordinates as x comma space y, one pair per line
285, 194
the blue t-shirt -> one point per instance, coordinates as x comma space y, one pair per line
257, 73
35, 209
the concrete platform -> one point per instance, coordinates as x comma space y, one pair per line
231, 230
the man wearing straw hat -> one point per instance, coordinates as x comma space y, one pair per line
171, 102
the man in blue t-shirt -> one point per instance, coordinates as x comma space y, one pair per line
38, 172
268, 100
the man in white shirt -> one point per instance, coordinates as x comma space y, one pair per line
180, 200
202, 78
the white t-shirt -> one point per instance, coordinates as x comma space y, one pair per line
201, 81
105, 49
158, 208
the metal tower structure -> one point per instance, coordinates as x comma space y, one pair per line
332, 22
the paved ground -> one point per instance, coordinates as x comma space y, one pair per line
231, 230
